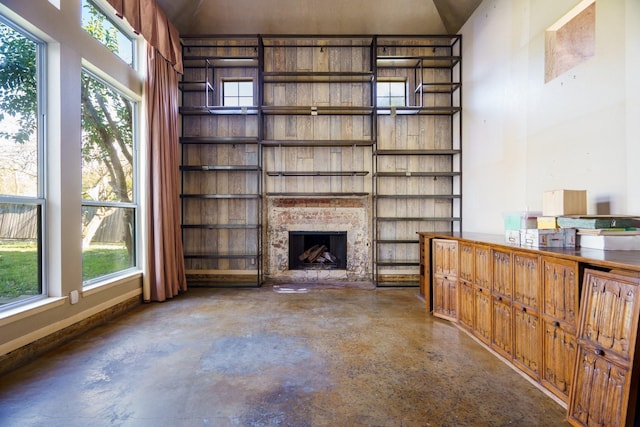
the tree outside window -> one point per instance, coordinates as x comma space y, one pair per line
21, 141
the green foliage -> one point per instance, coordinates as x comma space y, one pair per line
18, 83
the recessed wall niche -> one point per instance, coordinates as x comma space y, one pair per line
571, 40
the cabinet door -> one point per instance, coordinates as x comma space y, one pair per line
605, 385
559, 353
482, 266
527, 351
610, 314
445, 297
601, 391
465, 262
482, 314
465, 304
526, 280
560, 289
501, 321
501, 273
445, 257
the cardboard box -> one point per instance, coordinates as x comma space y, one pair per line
614, 243
556, 238
519, 220
512, 237
547, 222
564, 202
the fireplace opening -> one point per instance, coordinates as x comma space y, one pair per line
317, 250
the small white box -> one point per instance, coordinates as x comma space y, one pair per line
512, 237
551, 238
613, 243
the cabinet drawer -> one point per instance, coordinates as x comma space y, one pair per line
482, 266
526, 280
501, 273
501, 338
559, 352
527, 349
465, 262
482, 314
560, 289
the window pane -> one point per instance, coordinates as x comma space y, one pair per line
106, 32
396, 89
107, 231
396, 102
383, 102
19, 256
230, 102
108, 178
383, 89
245, 101
230, 89
107, 143
245, 89
18, 114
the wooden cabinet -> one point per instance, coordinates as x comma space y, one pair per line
502, 340
560, 287
445, 279
605, 380
527, 331
482, 293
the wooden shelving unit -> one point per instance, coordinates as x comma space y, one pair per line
315, 130
221, 165
417, 159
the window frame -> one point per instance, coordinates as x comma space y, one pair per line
224, 97
123, 29
390, 82
40, 199
135, 188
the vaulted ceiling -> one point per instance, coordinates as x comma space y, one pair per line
397, 17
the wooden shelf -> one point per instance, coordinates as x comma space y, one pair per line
207, 110
317, 173
425, 219
438, 87
418, 196
418, 111
398, 263
434, 152
219, 168
391, 61
317, 77
318, 194
218, 140
220, 256
415, 174
221, 226
201, 86
220, 196
316, 110
396, 241
317, 143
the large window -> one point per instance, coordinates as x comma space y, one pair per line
98, 24
21, 176
108, 180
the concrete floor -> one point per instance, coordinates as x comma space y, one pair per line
275, 357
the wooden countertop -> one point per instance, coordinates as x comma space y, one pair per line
629, 260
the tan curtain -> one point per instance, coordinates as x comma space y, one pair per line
166, 270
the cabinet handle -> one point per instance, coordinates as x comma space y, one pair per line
499, 298
524, 309
599, 352
556, 324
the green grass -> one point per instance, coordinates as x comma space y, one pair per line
19, 267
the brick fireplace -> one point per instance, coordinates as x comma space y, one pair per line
318, 215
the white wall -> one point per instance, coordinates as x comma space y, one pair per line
522, 137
